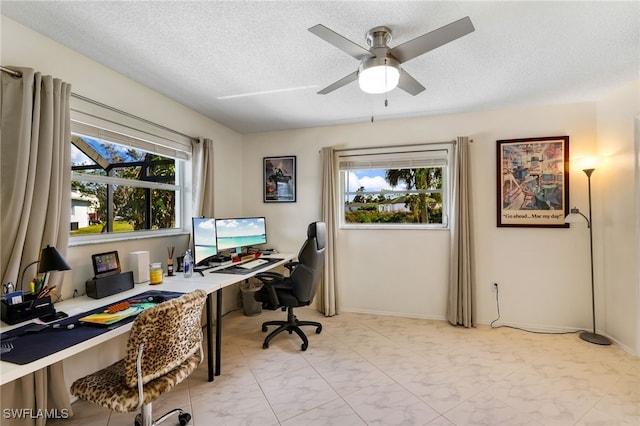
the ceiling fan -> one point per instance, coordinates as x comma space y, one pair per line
380, 69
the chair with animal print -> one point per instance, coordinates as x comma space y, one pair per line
164, 348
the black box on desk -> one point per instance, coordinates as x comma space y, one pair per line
29, 309
97, 288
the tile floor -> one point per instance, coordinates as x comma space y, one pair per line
379, 370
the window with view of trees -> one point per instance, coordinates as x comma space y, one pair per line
395, 188
122, 188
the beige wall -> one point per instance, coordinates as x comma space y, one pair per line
405, 272
616, 218
543, 274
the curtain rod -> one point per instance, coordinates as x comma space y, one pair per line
160, 126
395, 146
100, 104
11, 72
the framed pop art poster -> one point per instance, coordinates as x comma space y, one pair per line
533, 182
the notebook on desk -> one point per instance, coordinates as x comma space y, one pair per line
109, 318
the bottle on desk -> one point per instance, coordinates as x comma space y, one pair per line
188, 264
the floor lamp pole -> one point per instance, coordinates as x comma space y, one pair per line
585, 335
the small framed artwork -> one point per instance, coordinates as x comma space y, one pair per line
279, 179
533, 182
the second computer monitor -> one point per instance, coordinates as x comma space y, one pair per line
240, 232
205, 245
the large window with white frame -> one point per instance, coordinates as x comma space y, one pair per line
121, 183
395, 187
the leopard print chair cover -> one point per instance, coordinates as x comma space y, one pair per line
168, 340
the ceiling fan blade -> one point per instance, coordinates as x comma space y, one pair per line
432, 40
409, 84
340, 42
338, 84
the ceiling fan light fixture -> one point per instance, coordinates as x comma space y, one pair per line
378, 75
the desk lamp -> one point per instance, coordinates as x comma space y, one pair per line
573, 217
50, 260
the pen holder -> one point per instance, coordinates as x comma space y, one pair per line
30, 308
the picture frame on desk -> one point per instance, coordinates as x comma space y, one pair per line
533, 182
279, 179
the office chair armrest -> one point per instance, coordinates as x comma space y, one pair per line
291, 265
269, 279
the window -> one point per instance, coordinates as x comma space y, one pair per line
397, 187
120, 183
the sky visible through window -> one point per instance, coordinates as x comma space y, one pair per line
372, 180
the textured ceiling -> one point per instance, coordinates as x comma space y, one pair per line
254, 67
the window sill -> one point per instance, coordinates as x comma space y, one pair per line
86, 240
437, 227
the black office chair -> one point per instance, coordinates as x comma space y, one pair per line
298, 288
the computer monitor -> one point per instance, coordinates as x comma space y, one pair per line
205, 245
241, 232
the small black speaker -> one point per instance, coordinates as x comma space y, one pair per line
98, 288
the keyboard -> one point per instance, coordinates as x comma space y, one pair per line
252, 263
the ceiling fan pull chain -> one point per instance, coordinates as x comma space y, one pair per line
386, 101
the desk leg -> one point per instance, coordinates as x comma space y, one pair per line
210, 337
218, 330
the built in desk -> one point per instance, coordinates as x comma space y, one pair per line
211, 281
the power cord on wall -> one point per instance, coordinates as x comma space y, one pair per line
518, 328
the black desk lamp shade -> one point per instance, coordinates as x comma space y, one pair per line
52, 260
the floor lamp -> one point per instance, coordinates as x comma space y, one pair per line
573, 217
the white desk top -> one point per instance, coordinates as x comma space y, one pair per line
209, 282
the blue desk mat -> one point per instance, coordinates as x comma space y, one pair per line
33, 346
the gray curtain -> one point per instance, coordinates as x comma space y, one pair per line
329, 188
461, 309
35, 207
203, 178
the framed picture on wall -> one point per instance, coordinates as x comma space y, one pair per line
279, 179
533, 182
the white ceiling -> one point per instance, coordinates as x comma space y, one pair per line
199, 52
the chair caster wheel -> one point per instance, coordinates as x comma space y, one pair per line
304, 346
264, 328
265, 345
318, 330
184, 418
138, 420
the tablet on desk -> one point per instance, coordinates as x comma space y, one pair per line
105, 264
